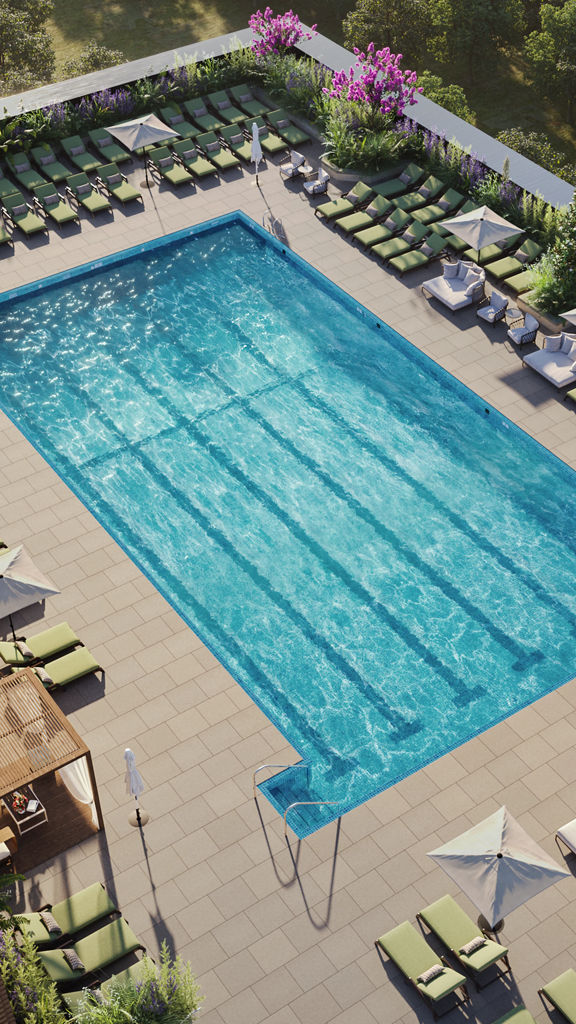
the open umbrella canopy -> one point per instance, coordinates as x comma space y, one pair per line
142, 131
570, 316
481, 227
21, 583
498, 865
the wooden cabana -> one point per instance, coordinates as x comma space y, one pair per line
36, 741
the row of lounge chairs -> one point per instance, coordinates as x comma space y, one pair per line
399, 221
56, 931
56, 655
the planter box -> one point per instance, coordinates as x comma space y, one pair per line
347, 179
548, 323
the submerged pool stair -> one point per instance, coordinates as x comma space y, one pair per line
292, 794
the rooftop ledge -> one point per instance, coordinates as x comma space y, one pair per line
523, 172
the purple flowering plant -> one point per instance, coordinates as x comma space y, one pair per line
277, 32
378, 82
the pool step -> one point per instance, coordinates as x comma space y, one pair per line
291, 786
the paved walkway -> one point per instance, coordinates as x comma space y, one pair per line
277, 935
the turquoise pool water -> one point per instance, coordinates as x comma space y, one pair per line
385, 564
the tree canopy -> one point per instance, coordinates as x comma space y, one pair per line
551, 54
26, 53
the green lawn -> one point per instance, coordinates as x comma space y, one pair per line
138, 28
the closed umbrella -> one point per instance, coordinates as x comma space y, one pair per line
141, 132
480, 227
21, 583
135, 788
498, 865
256, 148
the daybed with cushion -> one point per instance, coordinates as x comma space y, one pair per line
52, 923
556, 361
96, 951
461, 285
562, 994
41, 647
473, 950
421, 966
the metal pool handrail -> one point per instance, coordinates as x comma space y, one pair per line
263, 766
304, 803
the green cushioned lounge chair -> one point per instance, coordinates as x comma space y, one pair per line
204, 118
134, 973
7, 187
357, 197
173, 116
77, 153
80, 188
163, 161
270, 142
491, 253
562, 994
519, 1015
446, 919
68, 668
72, 915
431, 249
515, 264
244, 97
116, 184
353, 222
236, 141
25, 174
395, 222
22, 215
45, 157
54, 205
45, 645
222, 104
5, 235
454, 243
109, 149
210, 144
521, 283
410, 237
285, 128
443, 208
406, 180
422, 196
96, 951
192, 160
413, 956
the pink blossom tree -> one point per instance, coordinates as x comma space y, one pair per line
278, 32
381, 84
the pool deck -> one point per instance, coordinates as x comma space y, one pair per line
276, 934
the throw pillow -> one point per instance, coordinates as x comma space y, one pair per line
425, 192
572, 352
45, 160
390, 224
471, 277
107, 141
165, 161
236, 139
521, 256
25, 651
444, 204
43, 676
50, 922
189, 154
552, 344
76, 150
405, 177
19, 210
115, 179
245, 97
427, 249
223, 104
212, 147
451, 271
200, 110
473, 945
566, 343
83, 189
430, 974
177, 119
284, 123
50, 200
21, 165
471, 288
73, 960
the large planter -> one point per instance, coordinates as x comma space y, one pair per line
346, 179
549, 323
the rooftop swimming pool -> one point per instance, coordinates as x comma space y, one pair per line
385, 564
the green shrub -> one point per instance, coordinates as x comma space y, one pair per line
94, 57
536, 146
555, 287
33, 997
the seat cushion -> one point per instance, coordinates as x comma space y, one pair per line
450, 292
562, 993
568, 835
554, 366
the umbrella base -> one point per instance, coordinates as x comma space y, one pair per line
138, 818
146, 184
485, 925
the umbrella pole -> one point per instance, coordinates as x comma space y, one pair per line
12, 628
146, 183
139, 817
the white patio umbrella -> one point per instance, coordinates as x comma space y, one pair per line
480, 227
21, 583
135, 788
498, 865
570, 316
256, 148
141, 132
